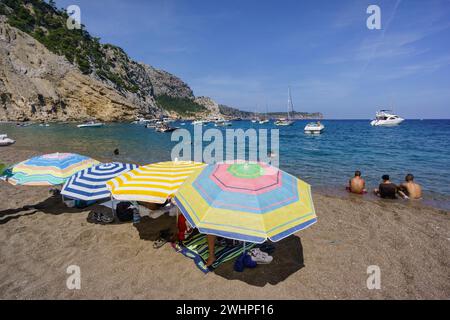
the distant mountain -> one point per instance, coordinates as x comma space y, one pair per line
48, 72
234, 113
296, 115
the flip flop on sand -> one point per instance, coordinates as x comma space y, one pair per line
100, 218
159, 243
164, 237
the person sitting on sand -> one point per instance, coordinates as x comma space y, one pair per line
357, 184
387, 189
409, 189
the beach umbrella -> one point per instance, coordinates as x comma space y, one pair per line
49, 169
90, 184
152, 183
251, 202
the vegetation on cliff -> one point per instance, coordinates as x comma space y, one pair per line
182, 106
47, 24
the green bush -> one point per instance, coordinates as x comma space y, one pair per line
183, 106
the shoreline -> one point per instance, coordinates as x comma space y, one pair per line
335, 191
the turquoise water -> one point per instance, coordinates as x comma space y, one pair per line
325, 161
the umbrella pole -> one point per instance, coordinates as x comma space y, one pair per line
244, 248
112, 208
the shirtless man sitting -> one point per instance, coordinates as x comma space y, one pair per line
357, 184
409, 189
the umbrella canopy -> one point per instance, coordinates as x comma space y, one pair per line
246, 201
152, 183
90, 184
49, 169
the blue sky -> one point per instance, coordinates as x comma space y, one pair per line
246, 53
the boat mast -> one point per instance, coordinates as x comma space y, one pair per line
290, 105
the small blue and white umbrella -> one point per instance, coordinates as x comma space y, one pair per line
90, 184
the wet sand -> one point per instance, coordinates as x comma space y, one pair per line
40, 238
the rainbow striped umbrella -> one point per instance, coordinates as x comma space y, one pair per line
49, 169
152, 183
90, 184
246, 201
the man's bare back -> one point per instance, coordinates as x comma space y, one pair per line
357, 185
413, 190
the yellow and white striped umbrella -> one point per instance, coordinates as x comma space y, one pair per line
152, 183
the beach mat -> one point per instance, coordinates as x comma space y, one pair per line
196, 248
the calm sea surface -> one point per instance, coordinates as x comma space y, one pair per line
325, 161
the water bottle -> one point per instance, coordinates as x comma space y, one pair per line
136, 216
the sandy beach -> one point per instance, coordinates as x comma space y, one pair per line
40, 238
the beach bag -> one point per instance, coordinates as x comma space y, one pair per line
124, 211
81, 204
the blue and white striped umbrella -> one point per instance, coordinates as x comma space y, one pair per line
90, 184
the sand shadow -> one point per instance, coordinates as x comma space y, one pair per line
287, 259
52, 205
149, 229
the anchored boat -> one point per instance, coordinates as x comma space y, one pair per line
288, 121
314, 128
5, 141
386, 118
91, 124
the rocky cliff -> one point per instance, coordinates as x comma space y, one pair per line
36, 84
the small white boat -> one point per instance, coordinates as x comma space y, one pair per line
386, 118
44, 125
165, 128
197, 122
91, 124
222, 123
314, 128
264, 121
142, 121
5, 141
284, 122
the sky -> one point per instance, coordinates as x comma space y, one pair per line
246, 53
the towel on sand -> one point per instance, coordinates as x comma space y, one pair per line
196, 248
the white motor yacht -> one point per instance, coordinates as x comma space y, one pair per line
386, 118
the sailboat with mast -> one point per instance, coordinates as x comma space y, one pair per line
266, 118
255, 118
290, 108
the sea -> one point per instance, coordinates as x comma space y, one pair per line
326, 161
